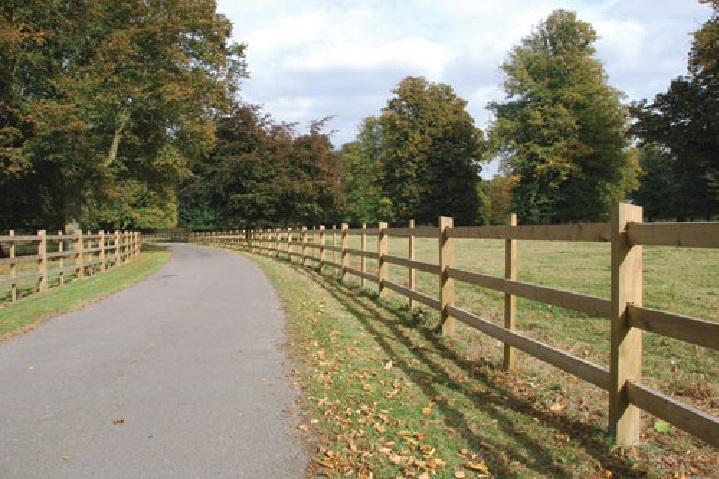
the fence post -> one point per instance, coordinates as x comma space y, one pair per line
79, 259
382, 244
61, 249
13, 270
322, 247
278, 241
411, 271
117, 248
345, 247
510, 300
102, 249
304, 245
363, 260
446, 284
126, 246
289, 244
42, 263
625, 362
89, 253
334, 249
138, 243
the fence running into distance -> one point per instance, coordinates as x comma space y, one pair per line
628, 318
87, 254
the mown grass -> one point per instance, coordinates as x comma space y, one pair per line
28, 312
536, 422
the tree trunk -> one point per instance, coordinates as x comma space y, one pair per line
112, 154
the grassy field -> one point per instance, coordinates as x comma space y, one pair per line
28, 312
536, 422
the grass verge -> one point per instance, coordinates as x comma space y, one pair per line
27, 313
387, 397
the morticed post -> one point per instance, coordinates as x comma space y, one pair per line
345, 247
446, 284
382, 247
510, 300
411, 255
625, 359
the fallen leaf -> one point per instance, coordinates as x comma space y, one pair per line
662, 426
459, 474
388, 365
478, 466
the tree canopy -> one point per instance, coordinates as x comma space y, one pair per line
104, 104
684, 121
262, 173
562, 129
430, 153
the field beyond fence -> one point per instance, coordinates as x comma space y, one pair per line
35, 263
625, 235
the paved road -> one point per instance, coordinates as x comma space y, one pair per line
189, 358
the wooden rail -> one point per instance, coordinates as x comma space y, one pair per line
88, 254
626, 316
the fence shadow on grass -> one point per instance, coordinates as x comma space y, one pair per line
494, 400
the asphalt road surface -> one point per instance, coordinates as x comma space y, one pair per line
180, 376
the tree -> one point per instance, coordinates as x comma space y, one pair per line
684, 121
261, 173
114, 99
362, 169
562, 130
32, 54
430, 153
657, 190
495, 200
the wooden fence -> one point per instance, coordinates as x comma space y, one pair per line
175, 235
37, 262
628, 318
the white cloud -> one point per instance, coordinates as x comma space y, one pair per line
316, 58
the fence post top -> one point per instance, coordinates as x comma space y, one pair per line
322, 227
411, 223
446, 222
345, 226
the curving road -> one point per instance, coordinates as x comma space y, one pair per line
180, 376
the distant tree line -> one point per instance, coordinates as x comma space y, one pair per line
127, 115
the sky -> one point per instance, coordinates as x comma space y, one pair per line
309, 59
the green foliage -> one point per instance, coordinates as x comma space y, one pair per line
430, 153
362, 169
261, 173
685, 122
561, 131
103, 104
495, 199
657, 190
